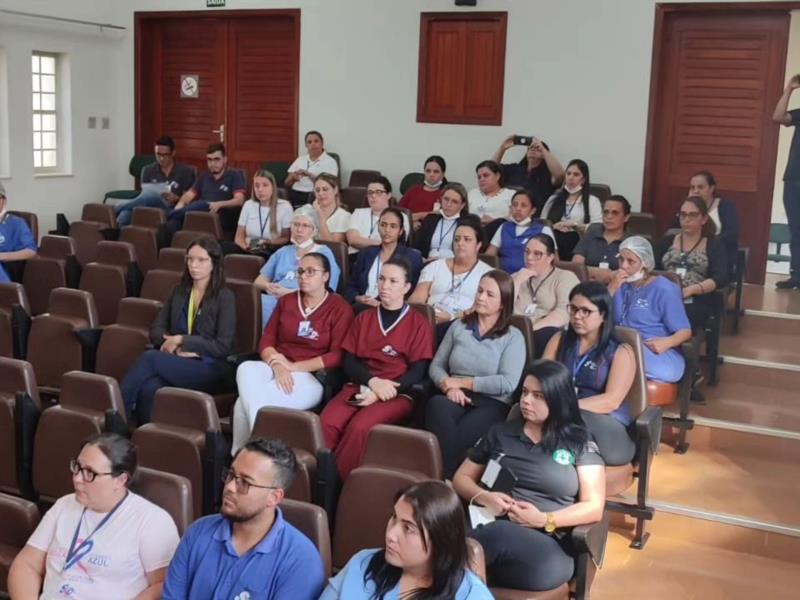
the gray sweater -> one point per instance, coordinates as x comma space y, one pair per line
496, 364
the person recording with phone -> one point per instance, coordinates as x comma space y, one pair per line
539, 171
386, 352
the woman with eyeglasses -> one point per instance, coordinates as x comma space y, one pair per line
542, 290
386, 352
278, 276
425, 553
265, 219
303, 336
652, 305
193, 334
102, 541
364, 231
572, 208
362, 287
477, 368
334, 220
435, 236
421, 198
602, 370
511, 238
535, 477
490, 200
301, 173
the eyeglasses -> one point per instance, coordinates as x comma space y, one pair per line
685, 216
301, 225
307, 271
197, 260
537, 254
242, 485
163, 154
610, 212
580, 311
87, 474
371, 193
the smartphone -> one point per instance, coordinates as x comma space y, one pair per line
523, 140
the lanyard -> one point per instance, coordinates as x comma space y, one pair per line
453, 286
74, 553
684, 254
568, 208
535, 292
372, 222
579, 366
386, 332
442, 233
192, 313
307, 313
263, 224
310, 164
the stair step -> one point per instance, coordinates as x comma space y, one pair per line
762, 346
767, 298
762, 323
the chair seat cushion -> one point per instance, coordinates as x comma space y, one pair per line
122, 194
618, 479
661, 394
559, 593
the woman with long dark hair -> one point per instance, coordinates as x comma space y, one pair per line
535, 477
193, 334
424, 557
602, 369
490, 200
572, 208
420, 199
435, 236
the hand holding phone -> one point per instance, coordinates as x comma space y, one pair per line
523, 140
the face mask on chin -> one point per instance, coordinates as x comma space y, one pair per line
303, 245
635, 277
435, 186
525, 221
573, 190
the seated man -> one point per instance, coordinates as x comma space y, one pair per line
16, 241
163, 182
598, 249
217, 188
248, 550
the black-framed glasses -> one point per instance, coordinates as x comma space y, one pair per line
580, 311
242, 485
537, 254
376, 192
307, 271
684, 216
87, 474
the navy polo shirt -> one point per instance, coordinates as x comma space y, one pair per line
180, 178
284, 565
595, 249
209, 189
15, 234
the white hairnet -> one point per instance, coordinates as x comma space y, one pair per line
641, 248
307, 211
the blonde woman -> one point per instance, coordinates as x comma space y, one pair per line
265, 219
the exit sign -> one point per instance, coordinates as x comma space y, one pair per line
210, 3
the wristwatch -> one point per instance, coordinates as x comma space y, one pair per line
550, 524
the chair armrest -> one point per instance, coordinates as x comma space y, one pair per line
648, 427
592, 538
238, 359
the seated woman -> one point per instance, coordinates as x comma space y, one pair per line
477, 368
490, 200
698, 257
421, 199
364, 231
362, 287
386, 351
278, 276
572, 208
434, 239
303, 337
449, 284
334, 220
193, 334
425, 553
542, 291
512, 237
602, 370
301, 173
599, 246
134, 538
653, 306
538, 172
265, 219
559, 483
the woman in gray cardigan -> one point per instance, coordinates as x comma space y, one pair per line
193, 334
477, 368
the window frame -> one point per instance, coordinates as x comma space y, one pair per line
59, 166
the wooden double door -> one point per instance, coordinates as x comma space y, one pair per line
230, 76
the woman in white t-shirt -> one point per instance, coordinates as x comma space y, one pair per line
103, 541
490, 200
364, 231
334, 221
300, 178
265, 219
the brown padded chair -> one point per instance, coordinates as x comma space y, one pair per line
14, 320
364, 508
581, 272
87, 235
339, 250
353, 197
18, 520
19, 412
31, 220
182, 239
403, 448
99, 213
600, 190
525, 327
159, 283
362, 177
66, 327
312, 521
54, 266
172, 259
171, 492
89, 404
148, 217
112, 277
642, 223
184, 438
242, 266
491, 260
122, 342
203, 223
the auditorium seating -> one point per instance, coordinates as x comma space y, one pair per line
644, 224
409, 180
197, 224
419, 453
339, 250
122, 342
97, 223
172, 259
581, 272
159, 283
490, 259
242, 266
14, 320
18, 520
353, 197
137, 163
362, 177
56, 265
171, 492
145, 244
312, 521
525, 326
19, 412
111, 277
600, 190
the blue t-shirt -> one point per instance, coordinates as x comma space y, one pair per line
285, 564
4, 278
349, 583
281, 268
15, 234
209, 189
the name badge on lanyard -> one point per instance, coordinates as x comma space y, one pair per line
603, 265
304, 329
530, 310
491, 472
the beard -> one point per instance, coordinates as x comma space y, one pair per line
238, 515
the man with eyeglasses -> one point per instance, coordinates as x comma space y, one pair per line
248, 551
163, 182
598, 249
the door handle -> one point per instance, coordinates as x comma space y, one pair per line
221, 132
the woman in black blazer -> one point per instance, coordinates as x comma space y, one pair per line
193, 334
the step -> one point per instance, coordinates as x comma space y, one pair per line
767, 298
763, 346
759, 323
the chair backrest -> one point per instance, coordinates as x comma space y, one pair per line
76, 304
190, 409
600, 190
636, 399
362, 177
581, 272
87, 235
139, 162
779, 233
172, 259
353, 197
31, 220
99, 213
119, 347
13, 294
427, 311
158, 284
298, 428
57, 246
395, 447
121, 254
242, 266
90, 391
138, 312
525, 327
18, 520
642, 223
312, 521
340, 253
248, 314
476, 558
203, 222
16, 441
409, 180
171, 492
364, 508
279, 168
184, 237
145, 245
108, 285
148, 217
491, 260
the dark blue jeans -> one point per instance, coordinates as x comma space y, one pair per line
125, 211
791, 203
155, 369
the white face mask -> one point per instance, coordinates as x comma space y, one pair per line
635, 277
574, 190
526, 221
304, 245
435, 186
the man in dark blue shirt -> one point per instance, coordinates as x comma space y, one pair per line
248, 551
791, 182
16, 239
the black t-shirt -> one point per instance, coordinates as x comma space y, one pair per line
180, 179
537, 182
548, 480
792, 172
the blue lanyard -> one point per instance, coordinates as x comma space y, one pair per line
371, 224
442, 233
74, 554
263, 224
578, 368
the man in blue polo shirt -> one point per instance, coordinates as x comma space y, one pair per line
216, 189
248, 551
16, 239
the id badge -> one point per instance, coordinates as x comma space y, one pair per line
530, 310
603, 265
681, 272
304, 329
449, 304
490, 473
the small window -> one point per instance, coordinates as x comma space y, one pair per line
462, 68
45, 113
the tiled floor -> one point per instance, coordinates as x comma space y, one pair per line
767, 298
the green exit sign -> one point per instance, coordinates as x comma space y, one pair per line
210, 3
